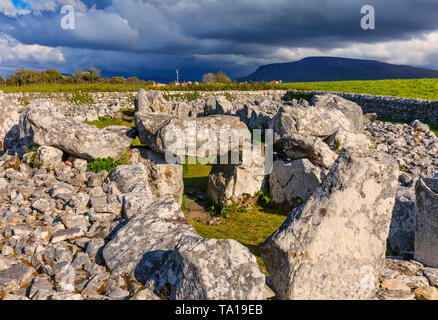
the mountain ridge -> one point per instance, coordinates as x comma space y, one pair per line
318, 69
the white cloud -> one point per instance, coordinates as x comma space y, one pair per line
416, 51
9, 10
53, 5
13, 50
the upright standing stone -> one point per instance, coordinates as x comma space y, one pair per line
333, 246
426, 228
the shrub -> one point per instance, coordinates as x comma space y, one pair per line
232, 209
32, 153
263, 197
100, 164
184, 203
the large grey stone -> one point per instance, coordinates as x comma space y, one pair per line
189, 136
334, 245
152, 102
131, 178
164, 179
217, 105
292, 183
49, 157
9, 118
41, 124
210, 269
139, 247
426, 222
402, 231
228, 183
313, 148
327, 114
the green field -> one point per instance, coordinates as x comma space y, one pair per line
421, 89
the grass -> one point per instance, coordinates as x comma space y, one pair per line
127, 120
416, 88
249, 227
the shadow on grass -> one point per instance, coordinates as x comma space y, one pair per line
196, 183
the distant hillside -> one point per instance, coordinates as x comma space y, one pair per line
315, 69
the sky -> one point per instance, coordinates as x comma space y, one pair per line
150, 39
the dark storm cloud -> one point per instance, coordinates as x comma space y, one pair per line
235, 35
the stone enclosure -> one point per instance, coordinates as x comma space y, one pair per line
362, 196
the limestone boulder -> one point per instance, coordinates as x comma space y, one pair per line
165, 180
327, 114
9, 119
189, 136
426, 221
131, 178
228, 183
334, 245
342, 139
139, 247
351, 110
210, 269
217, 105
402, 231
292, 183
296, 147
49, 157
152, 102
41, 124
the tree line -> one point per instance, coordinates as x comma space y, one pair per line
23, 77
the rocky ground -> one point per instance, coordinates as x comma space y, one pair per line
70, 234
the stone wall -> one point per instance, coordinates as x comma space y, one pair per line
387, 107
394, 108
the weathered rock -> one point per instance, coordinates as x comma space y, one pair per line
427, 293
189, 136
395, 285
49, 157
9, 118
217, 105
145, 294
66, 234
152, 102
327, 114
208, 269
292, 183
333, 246
139, 247
131, 178
313, 148
16, 276
351, 110
342, 139
41, 124
432, 275
228, 183
164, 179
426, 220
402, 231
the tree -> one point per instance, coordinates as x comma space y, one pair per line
209, 78
220, 77
2, 82
134, 81
118, 80
52, 76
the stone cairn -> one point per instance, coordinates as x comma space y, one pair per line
355, 187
